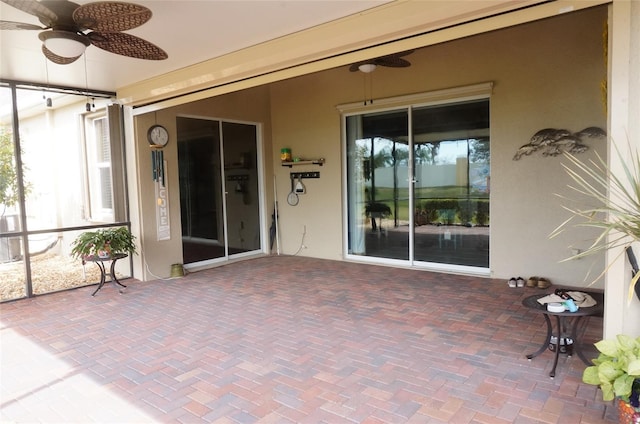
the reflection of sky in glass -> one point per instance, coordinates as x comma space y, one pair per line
449, 151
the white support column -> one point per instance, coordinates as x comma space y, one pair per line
622, 316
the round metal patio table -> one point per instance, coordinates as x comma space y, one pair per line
570, 321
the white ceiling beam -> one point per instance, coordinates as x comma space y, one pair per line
393, 27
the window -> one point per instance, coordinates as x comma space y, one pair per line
104, 166
417, 180
98, 157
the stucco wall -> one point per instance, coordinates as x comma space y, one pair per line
249, 106
546, 74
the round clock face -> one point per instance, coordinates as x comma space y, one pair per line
158, 136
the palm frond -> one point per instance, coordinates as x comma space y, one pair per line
614, 208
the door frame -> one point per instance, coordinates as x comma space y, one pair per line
438, 97
261, 200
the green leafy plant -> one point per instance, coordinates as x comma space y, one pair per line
8, 173
109, 240
616, 214
617, 369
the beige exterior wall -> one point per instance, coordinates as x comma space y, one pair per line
546, 74
250, 105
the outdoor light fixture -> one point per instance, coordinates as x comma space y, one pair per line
367, 68
64, 43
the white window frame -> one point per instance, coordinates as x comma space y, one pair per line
444, 96
97, 210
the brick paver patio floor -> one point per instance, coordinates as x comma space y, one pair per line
285, 339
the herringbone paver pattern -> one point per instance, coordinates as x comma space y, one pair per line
289, 340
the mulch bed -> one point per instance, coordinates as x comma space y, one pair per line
49, 273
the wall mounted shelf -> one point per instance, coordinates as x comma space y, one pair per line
318, 162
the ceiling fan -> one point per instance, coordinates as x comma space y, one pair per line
393, 61
70, 28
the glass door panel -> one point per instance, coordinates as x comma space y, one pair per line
378, 185
219, 197
451, 190
241, 178
429, 191
199, 164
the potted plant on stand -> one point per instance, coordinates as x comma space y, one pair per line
617, 214
375, 210
103, 243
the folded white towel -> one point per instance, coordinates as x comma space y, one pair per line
581, 299
551, 298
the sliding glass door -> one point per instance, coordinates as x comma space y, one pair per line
220, 214
418, 184
378, 184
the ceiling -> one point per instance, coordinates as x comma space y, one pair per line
189, 31
234, 34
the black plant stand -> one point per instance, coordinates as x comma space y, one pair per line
103, 271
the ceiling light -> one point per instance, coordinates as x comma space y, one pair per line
64, 43
367, 67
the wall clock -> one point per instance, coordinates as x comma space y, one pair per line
158, 136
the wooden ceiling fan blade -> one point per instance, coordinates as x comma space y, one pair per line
35, 8
127, 45
401, 54
392, 62
10, 25
58, 59
111, 16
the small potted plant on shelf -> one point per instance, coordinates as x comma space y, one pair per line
617, 372
103, 243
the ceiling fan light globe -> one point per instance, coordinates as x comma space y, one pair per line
367, 68
64, 43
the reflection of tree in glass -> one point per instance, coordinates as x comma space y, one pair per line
479, 151
426, 153
383, 158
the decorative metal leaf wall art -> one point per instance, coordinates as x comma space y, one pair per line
552, 142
